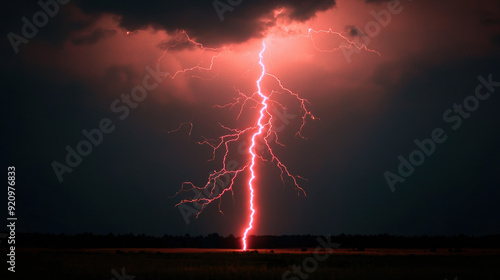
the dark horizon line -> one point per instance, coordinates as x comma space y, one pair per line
254, 235
214, 240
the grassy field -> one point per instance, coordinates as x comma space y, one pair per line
232, 264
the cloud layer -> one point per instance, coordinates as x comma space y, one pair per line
202, 19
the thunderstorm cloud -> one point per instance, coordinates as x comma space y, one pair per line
212, 22
240, 21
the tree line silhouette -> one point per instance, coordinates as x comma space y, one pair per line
214, 240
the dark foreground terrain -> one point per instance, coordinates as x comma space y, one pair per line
204, 264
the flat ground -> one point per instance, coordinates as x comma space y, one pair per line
201, 264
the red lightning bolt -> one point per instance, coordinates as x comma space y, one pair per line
263, 131
350, 43
260, 124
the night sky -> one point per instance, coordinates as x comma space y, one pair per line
434, 57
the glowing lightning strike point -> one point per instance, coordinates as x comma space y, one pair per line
252, 146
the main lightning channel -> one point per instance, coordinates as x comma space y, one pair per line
251, 149
261, 130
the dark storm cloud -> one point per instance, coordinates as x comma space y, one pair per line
93, 36
63, 20
200, 18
